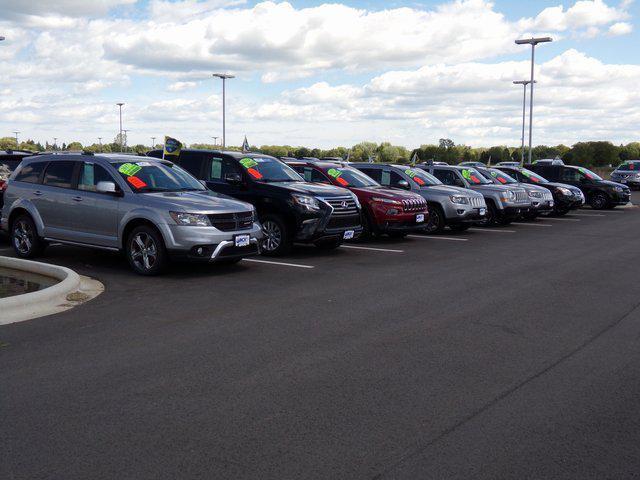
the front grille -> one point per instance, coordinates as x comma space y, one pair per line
547, 196
413, 205
478, 202
522, 197
342, 205
344, 221
230, 222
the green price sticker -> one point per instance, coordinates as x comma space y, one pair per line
248, 163
410, 173
129, 169
334, 172
466, 174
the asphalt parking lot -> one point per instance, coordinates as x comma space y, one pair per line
504, 353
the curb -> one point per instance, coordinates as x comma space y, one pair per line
43, 302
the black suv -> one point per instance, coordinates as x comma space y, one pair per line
565, 197
290, 209
599, 193
9, 160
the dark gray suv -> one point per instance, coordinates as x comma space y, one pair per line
149, 209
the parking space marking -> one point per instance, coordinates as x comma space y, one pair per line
437, 237
587, 214
491, 230
373, 249
284, 264
563, 219
532, 224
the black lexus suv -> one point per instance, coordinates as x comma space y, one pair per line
290, 209
599, 193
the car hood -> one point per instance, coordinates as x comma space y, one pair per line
318, 189
451, 190
609, 183
533, 188
495, 188
389, 193
195, 202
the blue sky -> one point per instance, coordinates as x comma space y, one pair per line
319, 74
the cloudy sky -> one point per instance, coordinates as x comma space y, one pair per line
318, 74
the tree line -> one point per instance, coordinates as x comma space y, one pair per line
588, 154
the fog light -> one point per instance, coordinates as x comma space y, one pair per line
199, 250
460, 212
392, 211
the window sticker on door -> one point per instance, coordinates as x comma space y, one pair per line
136, 182
411, 174
129, 169
250, 164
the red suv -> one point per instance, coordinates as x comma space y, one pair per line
385, 210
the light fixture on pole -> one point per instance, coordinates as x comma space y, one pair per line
224, 77
120, 104
16, 134
215, 141
524, 83
153, 142
100, 142
533, 42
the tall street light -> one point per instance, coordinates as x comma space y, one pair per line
55, 143
533, 42
524, 83
153, 142
100, 142
16, 134
224, 77
120, 104
215, 141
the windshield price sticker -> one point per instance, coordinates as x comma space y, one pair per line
337, 174
249, 164
411, 174
470, 176
585, 172
129, 169
136, 182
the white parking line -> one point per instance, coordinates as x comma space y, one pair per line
492, 230
532, 224
284, 264
438, 237
587, 214
373, 249
563, 219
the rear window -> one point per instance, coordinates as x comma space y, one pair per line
59, 174
31, 173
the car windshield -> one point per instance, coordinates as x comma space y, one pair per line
588, 174
266, 169
629, 167
534, 177
146, 176
350, 177
498, 175
474, 177
421, 177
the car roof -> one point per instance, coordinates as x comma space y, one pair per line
320, 164
110, 157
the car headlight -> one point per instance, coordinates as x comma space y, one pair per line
388, 201
306, 201
619, 189
535, 194
190, 219
511, 195
459, 199
565, 191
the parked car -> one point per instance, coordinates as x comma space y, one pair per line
472, 164
149, 209
628, 174
565, 197
9, 161
548, 161
449, 206
385, 211
599, 193
289, 208
508, 164
504, 203
541, 198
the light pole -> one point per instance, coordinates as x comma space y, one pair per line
100, 143
16, 134
533, 42
55, 142
524, 83
215, 141
153, 142
120, 104
224, 77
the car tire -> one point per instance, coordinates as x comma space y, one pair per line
368, 230
599, 201
492, 216
145, 251
331, 244
459, 227
24, 237
437, 220
277, 239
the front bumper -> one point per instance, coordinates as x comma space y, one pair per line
540, 206
620, 198
325, 225
471, 215
400, 222
208, 244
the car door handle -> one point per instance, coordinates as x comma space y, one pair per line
37, 192
77, 199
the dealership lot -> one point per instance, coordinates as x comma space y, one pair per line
496, 353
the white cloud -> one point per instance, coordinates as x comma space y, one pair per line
72, 8
180, 86
620, 28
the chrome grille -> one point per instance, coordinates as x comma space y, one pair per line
548, 196
342, 205
228, 222
522, 197
478, 202
413, 205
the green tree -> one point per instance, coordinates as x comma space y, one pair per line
75, 146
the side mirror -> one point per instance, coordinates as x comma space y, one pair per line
106, 187
404, 185
233, 178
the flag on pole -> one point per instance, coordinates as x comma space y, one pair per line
245, 145
371, 158
171, 147
414, 159
489, 161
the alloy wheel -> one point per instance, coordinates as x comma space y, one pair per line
23, 237
272, 234
144, 252
434, 221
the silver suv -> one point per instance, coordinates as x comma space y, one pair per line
628, 174
149, 209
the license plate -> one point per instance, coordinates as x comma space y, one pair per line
483, 211
348, 235
242, 240
420, 218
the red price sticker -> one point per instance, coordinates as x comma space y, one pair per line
418, 180
502, 179
136, 182
342, 182
254, 173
